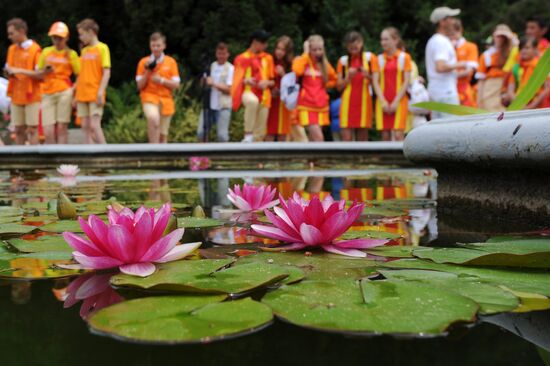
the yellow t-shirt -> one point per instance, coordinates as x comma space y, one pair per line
93, 59
65, 63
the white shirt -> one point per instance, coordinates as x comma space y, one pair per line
440, 84
216, 71
4, 99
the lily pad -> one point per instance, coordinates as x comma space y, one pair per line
198, 222
370, 307
48, 243
34, 268
206, 276
378, 211
369, 234
15, 229
491, 299
181, 319
62, 225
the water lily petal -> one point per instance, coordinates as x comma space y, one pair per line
120, 242
81, 245
271, 232
93, 285
96, 262
268, 205
138, 269
362, 243
162, 246
142, 236
101, 232
344, 251
242, 204
311, 235
279, 223
179, 252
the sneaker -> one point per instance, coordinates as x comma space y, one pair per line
248, 138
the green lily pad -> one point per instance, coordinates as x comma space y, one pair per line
367, 307
529, 281
181, 319
198, 222
369, 234
34, 268
491, 299
206, 276
42, 244
6, 211
394, 251
383, 211
15, 229
61, 226
318, 265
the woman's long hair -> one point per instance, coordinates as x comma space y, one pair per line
288, 45
315, 38
395, 34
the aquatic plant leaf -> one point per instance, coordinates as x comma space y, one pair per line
491, 299
206, 276
526, 280
370, 234
48, 243
61, 226
15, 229
198, 222
34, 268
370, 307
535, 82
380, 211
457, 110
180, 319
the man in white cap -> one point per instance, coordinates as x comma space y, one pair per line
441, 63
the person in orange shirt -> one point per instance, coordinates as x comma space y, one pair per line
95, 63
468, 53
354, 74
494, 66
24, 82
252, 80
317, 75
157, 77
391, 77
57, 64
536, 27
279, 119
522, 72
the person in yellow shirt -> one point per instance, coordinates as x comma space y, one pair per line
23, 82
157, 77
95, 71
57, 64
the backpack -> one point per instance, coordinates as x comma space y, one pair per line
290, 90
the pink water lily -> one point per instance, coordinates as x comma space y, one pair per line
133, 242
68, 170
316, 223
252, 198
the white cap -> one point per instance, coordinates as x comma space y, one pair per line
443, 12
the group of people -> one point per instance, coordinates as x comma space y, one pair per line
284, 97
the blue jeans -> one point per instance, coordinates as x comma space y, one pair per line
221, 119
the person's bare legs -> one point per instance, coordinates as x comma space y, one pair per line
163, 138
362, 134
96, 130
87, 128
386, 135
62, 133
315, 133
32, 135
20, 135
346, 134
153, 129
398, 135
49, 134
269, 138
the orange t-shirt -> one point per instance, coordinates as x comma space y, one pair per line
65, 63
21, 88
155, 93
467, 51
489, 65
93, 59
256, 66
313, 93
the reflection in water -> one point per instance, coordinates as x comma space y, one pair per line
533, 327
21, 292
95, 292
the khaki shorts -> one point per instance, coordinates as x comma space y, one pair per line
88, 109
153, 111
57, 107
25, 114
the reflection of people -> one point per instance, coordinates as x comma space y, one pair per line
160, 191
157, 77
95, 62
57, 64
21, 292
219, 81
24, 82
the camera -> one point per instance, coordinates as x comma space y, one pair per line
151, 65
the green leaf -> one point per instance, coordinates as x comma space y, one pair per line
181, 319
490, 298
41, 244
365, 307
537, 79
205, 275
369, 234
61, 226
15, 229
198, 222
457, 110
34, 268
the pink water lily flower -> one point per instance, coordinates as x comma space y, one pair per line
133, 242
316, 223
252, 198
68, 170
95, 292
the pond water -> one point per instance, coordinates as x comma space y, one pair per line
401, 205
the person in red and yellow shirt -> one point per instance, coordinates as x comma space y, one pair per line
95, 62
157, 77
317, 74
280, 118
536, 27
24, 82
391, 77
466, 52
57, 64
252, 80
354, 74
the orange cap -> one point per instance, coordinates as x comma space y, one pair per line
59, 29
